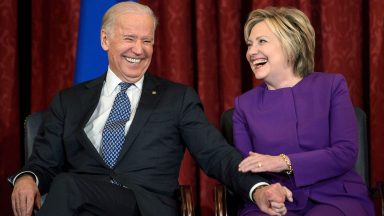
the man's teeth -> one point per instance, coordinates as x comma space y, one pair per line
133, 60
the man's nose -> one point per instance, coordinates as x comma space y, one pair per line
138, 47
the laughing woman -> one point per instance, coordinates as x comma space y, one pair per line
299, 126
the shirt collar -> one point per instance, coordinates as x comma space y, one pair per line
112, 81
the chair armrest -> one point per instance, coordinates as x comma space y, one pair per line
380, 185
227, 203
377, 194
187, 206
220, 200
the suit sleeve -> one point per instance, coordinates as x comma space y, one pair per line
214, 155
47, 157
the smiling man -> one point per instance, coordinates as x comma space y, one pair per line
114, 145
128, 38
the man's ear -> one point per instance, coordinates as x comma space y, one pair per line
104, 40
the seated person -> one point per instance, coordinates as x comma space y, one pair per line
113, 145
299, 126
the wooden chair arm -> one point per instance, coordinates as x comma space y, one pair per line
381, 194
187, 206
220, 200
227, 203
377, 194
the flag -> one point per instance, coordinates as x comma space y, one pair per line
91, 59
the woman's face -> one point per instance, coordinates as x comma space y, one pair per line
266, 56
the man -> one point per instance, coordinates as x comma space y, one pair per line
102, 152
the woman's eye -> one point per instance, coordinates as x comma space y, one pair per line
261, 41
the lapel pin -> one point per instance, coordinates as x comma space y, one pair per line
154, 92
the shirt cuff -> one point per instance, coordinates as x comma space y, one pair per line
26, 172
254, 188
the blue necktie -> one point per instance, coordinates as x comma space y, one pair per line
113, 132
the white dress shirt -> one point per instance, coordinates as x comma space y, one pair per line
95, 125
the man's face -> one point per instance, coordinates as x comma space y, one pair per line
129, 45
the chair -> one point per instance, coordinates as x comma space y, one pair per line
31, 127
225, 202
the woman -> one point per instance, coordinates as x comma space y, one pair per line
299, 126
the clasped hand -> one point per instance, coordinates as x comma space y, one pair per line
269, 199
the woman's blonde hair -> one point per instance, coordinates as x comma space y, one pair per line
294, 31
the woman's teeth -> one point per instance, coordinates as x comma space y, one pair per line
259, 62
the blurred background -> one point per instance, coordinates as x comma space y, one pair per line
49, 45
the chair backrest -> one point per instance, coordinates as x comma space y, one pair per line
32, 125
226, 125
362, 164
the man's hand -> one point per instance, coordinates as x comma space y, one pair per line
270, 199
25, 194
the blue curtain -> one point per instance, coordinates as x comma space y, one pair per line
91, 59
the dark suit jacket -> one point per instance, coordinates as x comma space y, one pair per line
169, 118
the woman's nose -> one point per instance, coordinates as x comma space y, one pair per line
253, 49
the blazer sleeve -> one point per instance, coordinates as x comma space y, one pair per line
241, 138
341, 154
214, 155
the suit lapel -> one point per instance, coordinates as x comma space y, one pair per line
149, 98
89, 100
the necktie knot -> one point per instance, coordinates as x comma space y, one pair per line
124, 86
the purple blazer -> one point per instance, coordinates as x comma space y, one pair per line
314, 124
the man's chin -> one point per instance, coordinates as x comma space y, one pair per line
132, 77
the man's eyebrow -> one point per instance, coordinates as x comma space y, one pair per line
129, 35
147, 38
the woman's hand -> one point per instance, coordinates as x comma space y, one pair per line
262, 163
